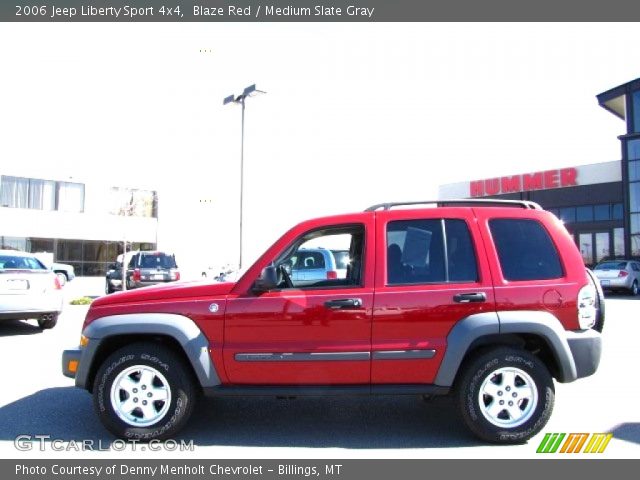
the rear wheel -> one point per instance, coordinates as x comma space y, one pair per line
505, 395
634, 288
107, 287
144, 391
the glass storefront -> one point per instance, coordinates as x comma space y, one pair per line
88, 257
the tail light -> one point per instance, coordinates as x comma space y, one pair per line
332, 275
56, 283
587, 307
622, 273
136, 275
175, 274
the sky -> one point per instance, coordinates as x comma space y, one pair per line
354, 114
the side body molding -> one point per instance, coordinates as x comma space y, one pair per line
542, 324
178, 327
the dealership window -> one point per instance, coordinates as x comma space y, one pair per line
634, 197
633, 149
601, 212
568, 214
584, 213
42, 194
133, 202
634, 170
617, 211
15, 192
636, 110
618, 242
70, 197
635, 234
37, 194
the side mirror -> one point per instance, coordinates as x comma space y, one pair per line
268, 280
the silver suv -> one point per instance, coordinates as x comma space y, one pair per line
311, 265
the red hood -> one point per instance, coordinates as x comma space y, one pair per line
166, 291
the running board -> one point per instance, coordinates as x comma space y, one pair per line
322, 390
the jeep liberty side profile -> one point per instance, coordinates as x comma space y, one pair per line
486, 301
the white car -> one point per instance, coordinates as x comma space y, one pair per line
28, 289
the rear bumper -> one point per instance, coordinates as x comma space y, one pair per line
586, 349
607, 283
26, 314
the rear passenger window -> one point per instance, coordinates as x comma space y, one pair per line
417, 252
525, 250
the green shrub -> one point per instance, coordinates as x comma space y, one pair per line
81, 301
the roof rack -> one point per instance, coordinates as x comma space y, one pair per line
461, 202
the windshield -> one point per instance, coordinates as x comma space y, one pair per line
611, 266
11, 262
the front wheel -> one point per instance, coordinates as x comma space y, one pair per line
505, 395
144, 391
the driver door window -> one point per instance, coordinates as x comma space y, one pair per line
325, 258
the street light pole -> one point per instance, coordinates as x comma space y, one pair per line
250, 91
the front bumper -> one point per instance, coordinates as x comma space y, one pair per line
586, 349
71, 362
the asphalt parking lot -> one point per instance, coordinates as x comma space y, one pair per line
35, 399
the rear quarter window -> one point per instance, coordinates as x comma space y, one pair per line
525, 250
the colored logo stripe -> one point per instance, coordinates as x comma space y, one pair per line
550, 443
598, 442
575, 441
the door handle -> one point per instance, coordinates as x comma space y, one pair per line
470, 297
343, 303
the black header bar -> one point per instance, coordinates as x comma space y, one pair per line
318, 10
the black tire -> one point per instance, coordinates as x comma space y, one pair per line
48, 322
178, 376
107, 287
482, 368
634, 289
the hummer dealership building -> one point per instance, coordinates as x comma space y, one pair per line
599, 203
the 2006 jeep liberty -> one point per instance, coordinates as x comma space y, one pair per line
485, 301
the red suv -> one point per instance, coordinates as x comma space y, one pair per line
486, 301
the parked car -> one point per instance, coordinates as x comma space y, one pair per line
486, 301
144, 268
619, 275
28, 289
65, 272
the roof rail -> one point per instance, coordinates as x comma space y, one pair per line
461, 202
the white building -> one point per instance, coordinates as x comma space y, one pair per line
84, 222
